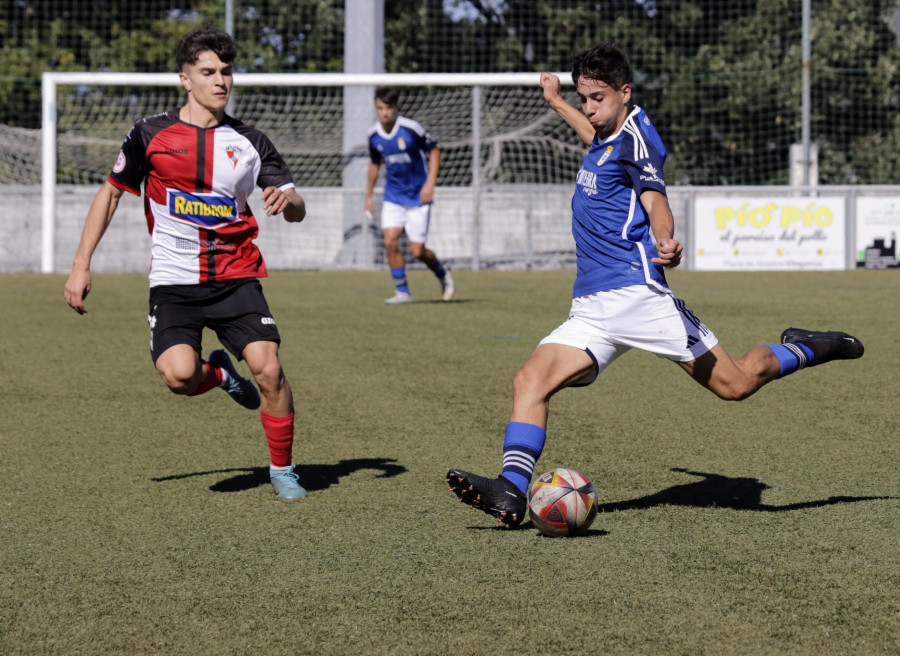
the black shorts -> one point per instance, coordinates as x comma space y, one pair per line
236, 310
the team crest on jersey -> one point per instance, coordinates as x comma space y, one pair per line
206, 210
605, 155
120, 162
401, 144
234, 154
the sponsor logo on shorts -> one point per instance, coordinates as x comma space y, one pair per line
267, 321
151, 320
207, 210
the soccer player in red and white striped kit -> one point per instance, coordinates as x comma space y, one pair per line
198, 166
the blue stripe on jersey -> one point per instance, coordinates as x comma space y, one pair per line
611, 229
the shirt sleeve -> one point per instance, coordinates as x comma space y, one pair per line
273, 171
374, 154
131, 166
424, 140
642, 163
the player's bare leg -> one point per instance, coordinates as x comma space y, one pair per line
550, 368
397, 263
730, 379
184, 372
181, 369
734, 380
442, 272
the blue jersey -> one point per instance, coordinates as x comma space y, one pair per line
404, 153
613, 244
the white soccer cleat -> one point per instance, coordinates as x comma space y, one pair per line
447, 286
400, 298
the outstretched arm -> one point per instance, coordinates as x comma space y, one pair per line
575, 118
662, 224
78, 286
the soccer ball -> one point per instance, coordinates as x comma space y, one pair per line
562, 502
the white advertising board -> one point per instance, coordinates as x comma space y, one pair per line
877, 227
769, 233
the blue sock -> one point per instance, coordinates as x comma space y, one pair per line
522, 447
792, 357
437, 268
399, 276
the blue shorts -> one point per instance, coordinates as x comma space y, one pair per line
236, 310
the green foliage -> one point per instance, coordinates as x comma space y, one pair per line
304, 36
721, 80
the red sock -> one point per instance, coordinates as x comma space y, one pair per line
280, 437
213, 379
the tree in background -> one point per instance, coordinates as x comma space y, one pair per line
722, 80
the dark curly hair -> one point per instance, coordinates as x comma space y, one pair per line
603, 62
203, 40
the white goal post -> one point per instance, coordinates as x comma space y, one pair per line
504, 142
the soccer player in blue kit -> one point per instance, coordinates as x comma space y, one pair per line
621, 299
411, 159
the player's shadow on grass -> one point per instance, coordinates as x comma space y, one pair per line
312, 477
529, 525
716, 491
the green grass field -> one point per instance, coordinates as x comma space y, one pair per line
134, 521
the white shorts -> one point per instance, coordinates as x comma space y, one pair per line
412, 219
609, 323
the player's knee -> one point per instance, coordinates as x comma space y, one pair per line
528, 384
417, 250
270, 376
733, 390
178, 384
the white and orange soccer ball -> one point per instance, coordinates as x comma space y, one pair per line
562, 502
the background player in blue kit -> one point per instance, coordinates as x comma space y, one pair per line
624, 238
411, 159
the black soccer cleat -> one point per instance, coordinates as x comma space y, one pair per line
826, 346
498, 497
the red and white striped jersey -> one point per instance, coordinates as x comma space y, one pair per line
196, 184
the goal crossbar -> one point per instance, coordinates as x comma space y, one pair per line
52, 80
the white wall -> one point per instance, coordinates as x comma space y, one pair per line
520, 225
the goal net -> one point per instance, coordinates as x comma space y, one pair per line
507, 163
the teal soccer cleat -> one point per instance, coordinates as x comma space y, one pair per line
286, 483
243, 391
